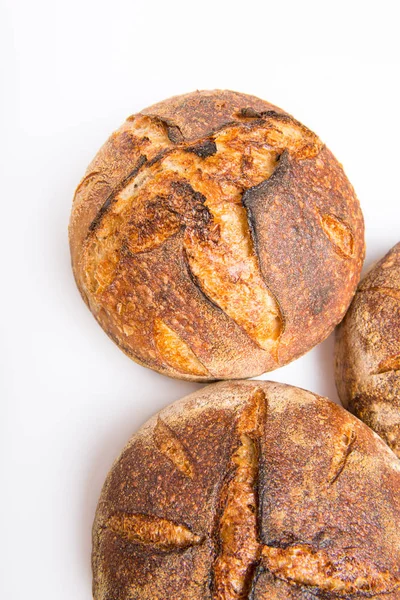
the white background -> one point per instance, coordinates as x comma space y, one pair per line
71, 72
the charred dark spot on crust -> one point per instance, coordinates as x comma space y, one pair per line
126, 142
185, 189
249, 197
158, 157
285, 540
142, 160
249, 113
175, 134
258, 570
195, 215
111, 198
204, 149
260, 194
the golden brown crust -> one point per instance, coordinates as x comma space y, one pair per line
214, 236
368, 351
287, 496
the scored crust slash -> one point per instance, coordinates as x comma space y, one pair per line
214, 236
248, 490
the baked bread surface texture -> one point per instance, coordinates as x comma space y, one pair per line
250, 490
215, 237
368, 351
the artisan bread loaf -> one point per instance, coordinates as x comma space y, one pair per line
215, 237
250, 490
368, 351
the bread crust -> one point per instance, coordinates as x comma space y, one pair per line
215, 237
250, 490
367, 361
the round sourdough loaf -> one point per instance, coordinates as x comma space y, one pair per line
368, 351
214, 237
250, 490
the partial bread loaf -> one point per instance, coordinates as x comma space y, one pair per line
250, 490
368, 351
215, 237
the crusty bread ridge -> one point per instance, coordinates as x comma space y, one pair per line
215, 237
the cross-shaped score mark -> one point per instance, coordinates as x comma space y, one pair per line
240, 555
